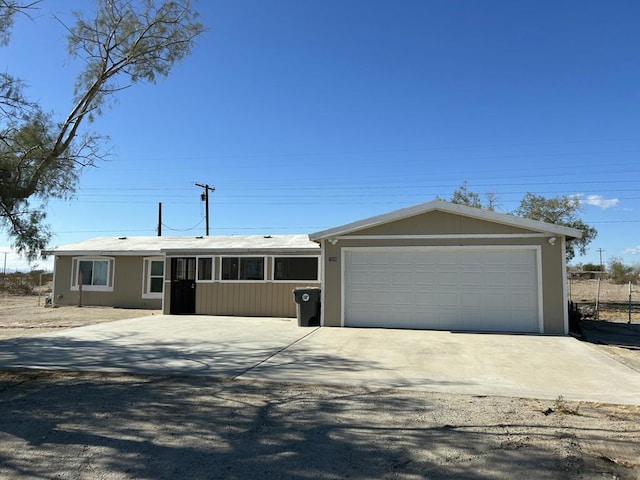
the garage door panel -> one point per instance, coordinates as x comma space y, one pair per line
523, 279
496, 278
447, 278
402, 278
488, 290
495, 300
380, 278
446, 299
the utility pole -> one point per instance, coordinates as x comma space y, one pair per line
600, 250
159, 219
205, 197
5, 264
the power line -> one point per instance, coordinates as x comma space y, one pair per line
183, 229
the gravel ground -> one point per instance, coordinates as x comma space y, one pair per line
22, 316
99, 426
89, 426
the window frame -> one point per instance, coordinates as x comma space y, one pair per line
75, 267
273, 268
213, 268
146, 277
240, 257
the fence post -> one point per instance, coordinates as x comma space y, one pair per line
598, 300
629, 302
79, 287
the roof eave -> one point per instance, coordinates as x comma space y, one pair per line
448, 207
103, 253
223, 251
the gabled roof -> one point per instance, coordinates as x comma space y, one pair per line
448, 207
159, 245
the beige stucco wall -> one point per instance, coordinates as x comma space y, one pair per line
439, 223
127, 286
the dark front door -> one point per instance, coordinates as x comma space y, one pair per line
183, 285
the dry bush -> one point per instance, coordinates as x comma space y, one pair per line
25, 283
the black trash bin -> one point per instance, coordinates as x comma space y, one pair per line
308, 306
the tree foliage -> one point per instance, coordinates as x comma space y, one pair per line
463, 196
124, 42
561, 210
619, 272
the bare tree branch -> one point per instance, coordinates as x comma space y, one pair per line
125, 42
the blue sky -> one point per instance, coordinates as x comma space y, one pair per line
305, 115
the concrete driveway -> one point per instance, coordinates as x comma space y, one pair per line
280, 351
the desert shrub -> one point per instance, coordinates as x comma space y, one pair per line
591, 267
23, 283
619, 272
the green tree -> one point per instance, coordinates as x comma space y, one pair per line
561, 210
619, 272
123, 43
463, 196
591, 267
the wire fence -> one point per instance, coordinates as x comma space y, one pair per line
601, 299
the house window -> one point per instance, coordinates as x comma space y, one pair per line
92, 273
295, 268
205, 269
153, 278
242, 268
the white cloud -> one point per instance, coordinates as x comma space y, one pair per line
600, 201
633, 251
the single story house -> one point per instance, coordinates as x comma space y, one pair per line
436, 265
445, 266
251, 275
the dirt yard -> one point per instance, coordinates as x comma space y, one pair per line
21, 316
87, 426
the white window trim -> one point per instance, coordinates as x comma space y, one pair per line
264, 273
111, 267
272, 277
213, 268
146, 278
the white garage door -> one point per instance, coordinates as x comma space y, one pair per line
482, 290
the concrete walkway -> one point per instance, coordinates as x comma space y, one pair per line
280, 351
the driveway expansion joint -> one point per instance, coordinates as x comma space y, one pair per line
277, 352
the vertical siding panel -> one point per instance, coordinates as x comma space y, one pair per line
278, 294
262, 296
208, 307
212, 291
226, 298
266, 299
236, 298
246, 302
291, 309
275, 301
200, 303
222, 299
282, 311
215, 292
255, 299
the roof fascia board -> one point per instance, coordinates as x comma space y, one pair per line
225, 251
447, 207
112, 253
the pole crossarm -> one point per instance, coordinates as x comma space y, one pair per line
207, 189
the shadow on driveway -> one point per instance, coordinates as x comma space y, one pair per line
89, 426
